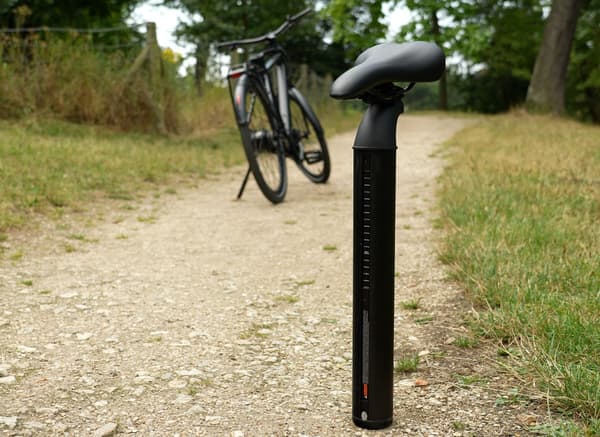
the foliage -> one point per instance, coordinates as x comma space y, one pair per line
65, 13
496, 43
521, 203
221, 20
67, 78
583, 87
356, 24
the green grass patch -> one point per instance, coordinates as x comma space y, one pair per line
329, 248
407, 364
47, 166
411, 304
287, 298
521, 204
466, 342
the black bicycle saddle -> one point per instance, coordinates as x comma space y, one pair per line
390, 62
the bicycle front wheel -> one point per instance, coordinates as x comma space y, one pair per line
312, 155
264, 150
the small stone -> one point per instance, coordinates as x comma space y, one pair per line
183, 399
46, 411
419, 382
34, 425
302, 382
87, 380
191, 372
424, 353
237, 434
4, 322
26, 349
101, 403
196, 409
177, 383
10, 421
158, 333
82, 336
406, 383
143, 378
69, 295
106, 430
8, 380
61, 427
4, 367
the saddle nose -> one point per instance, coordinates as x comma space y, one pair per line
416, 61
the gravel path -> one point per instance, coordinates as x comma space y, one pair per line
218, 317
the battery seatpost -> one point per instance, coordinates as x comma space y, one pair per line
374, 208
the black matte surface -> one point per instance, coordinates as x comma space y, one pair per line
416, 61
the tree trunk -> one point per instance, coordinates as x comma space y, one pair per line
443, 84
546, 91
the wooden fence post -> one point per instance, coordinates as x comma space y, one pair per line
151, 56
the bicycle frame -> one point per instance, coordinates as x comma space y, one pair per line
258, 71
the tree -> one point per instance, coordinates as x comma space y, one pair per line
221, 20
583, 76
356, 24
548, 83
67, 13
493, 44
426, 26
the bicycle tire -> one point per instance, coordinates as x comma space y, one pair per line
264, 151
307, 134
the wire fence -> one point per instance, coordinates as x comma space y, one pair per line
71, 29
105, 39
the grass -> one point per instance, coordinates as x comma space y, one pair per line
411, 304
407, 364
466, 342
329, 248
520, 202
49, 166
260, 330
287, 298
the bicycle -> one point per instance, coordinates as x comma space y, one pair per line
274, 119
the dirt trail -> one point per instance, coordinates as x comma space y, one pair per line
222, 317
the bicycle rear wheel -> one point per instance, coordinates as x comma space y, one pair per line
264, 150
307, 134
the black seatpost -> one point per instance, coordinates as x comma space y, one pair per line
373, 275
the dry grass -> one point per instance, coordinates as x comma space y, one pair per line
521, 202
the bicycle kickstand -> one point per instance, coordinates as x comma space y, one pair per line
239, 195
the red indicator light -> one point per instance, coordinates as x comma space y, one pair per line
365, 391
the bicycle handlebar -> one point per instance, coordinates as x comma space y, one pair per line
232, 45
